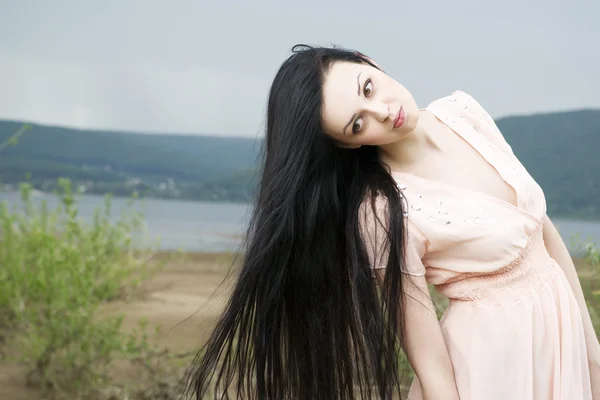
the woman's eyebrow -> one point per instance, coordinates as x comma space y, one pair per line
358, 93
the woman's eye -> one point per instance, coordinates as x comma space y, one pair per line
358, 124
368, 90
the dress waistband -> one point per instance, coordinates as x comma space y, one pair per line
526, 273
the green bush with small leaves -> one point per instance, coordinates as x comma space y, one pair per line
56, 271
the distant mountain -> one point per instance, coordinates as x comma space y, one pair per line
561, 150
171, 166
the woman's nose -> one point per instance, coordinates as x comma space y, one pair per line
381, 111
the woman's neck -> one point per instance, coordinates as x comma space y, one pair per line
413, 147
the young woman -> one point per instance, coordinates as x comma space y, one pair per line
365, 198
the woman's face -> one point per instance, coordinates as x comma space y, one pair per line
364, 106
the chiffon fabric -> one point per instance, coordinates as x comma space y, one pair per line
513, 327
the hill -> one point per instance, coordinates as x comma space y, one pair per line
561, 151
172, 166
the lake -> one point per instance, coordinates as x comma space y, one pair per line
201, 226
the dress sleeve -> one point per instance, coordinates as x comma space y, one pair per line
373, 225
483, 120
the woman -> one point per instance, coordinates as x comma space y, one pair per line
364, 199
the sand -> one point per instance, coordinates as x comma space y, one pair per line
183, 298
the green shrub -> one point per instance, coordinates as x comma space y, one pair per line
593, 255
590, 283
56, 270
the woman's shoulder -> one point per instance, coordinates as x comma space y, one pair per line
462, 110
459, 98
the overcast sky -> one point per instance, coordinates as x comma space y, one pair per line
186, 66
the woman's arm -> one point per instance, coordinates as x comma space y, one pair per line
424, 344
559, 252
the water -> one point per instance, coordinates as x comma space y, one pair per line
178, 225
199, 226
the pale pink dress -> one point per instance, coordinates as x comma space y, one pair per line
513, 327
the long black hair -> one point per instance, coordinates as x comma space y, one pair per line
306, 319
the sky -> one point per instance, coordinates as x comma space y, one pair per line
205, 67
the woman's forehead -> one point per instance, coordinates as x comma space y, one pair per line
342, 76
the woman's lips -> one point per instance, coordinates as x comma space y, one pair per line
400, 118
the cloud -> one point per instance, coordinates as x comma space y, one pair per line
132, 96
205, 67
